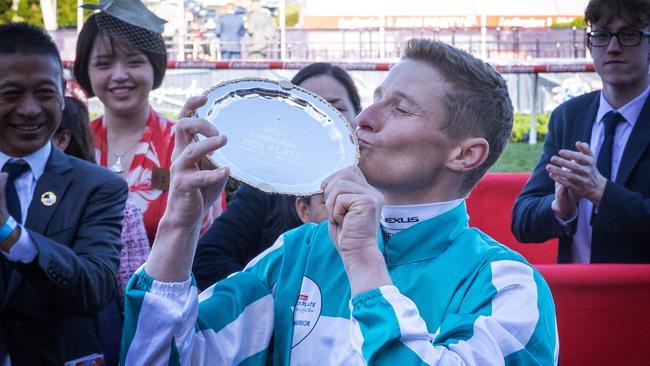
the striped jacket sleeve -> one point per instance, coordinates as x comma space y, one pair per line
507, 318
230, 323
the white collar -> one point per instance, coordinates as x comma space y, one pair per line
36, 160
395, 218
630, 111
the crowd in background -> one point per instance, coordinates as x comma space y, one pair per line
236, 29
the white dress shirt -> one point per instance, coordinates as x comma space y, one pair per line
25, 250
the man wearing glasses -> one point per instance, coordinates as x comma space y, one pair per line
591, 187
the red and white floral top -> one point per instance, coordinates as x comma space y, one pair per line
153, 151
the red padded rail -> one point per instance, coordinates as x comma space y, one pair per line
490, 209
603, 312
359, 66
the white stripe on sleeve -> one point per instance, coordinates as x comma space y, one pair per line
413, 330
513, 320
247, 335
165, 309
507, 330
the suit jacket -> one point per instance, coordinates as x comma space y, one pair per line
47, 305
253, 222
230, 30
620, 228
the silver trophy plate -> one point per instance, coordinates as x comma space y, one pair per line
281, 138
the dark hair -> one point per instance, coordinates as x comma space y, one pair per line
86, 41
75, 121
476, 105
27, 39
305, 199
325, 68
634, 12
284, 210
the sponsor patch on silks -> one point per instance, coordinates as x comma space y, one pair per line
401, 220
307, 310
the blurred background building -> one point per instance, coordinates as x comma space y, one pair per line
350, 30
376, 30
538, 45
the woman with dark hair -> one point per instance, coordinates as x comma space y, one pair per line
324, 72
254, 219
120, 58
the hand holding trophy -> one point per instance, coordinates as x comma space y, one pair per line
196, 186
280, 139
193, 188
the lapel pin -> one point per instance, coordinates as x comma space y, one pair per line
48, 199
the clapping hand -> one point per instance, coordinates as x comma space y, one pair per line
578, 176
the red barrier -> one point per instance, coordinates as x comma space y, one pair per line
358, 66
490, 209
602, 312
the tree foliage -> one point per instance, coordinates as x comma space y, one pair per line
67, 12
292, 14
66, 15
29, 11
6, 13
578, 22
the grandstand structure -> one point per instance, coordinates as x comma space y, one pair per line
377, 29
535, 43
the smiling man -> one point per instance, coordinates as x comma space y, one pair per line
590, 187
394, 276
61, 216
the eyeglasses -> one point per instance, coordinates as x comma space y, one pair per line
601, 38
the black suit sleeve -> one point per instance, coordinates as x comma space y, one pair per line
624, 213
234, 237
532, 217
80, 277
253, 222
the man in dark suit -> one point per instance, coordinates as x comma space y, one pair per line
60, 216
591, 187
230, 30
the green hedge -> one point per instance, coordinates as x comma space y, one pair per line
578, 22
521, 127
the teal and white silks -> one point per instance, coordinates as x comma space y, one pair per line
459, 298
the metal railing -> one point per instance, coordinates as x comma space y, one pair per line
534, 88
377, 44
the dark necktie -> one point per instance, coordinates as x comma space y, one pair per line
15, 169
604, 163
